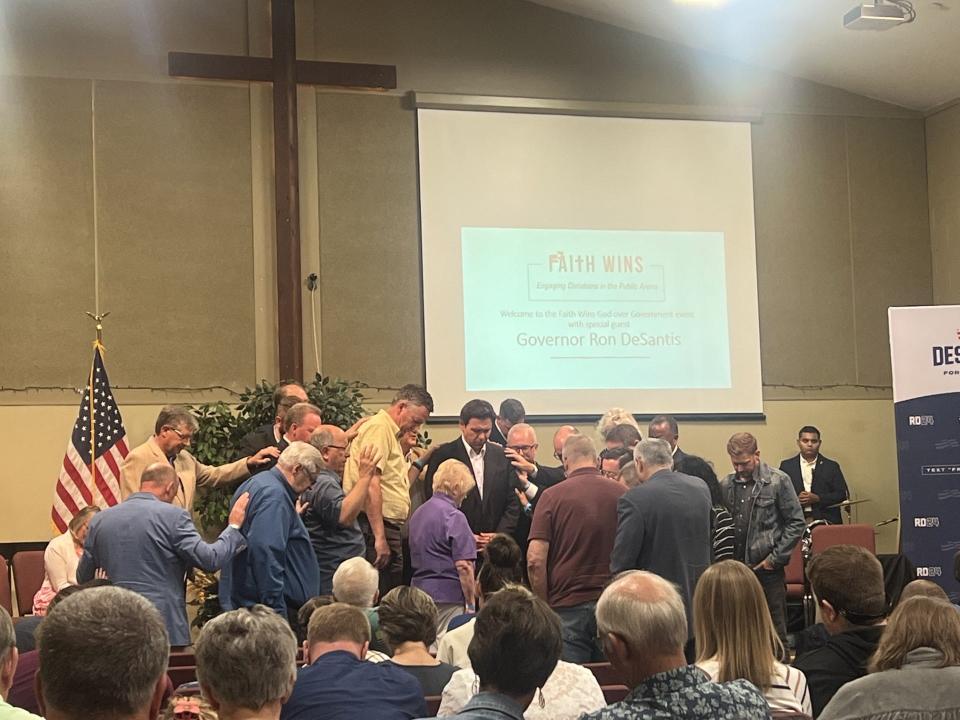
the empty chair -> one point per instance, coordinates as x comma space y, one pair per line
825, 536
28, 574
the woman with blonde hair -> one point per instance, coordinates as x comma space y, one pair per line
61, 558
442, 546
915, 671
736, 638
613, 417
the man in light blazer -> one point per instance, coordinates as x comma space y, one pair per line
147, 545
173, 432
818, 480
492, 506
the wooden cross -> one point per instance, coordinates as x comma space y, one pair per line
285, 72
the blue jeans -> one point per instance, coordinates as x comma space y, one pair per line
579, 630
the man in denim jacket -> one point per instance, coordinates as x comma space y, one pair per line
768, 520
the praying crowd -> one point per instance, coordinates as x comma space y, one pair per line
364, 576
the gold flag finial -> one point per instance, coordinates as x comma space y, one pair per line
98, 319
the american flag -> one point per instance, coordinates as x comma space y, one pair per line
76, 486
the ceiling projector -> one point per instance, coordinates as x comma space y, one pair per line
874, 16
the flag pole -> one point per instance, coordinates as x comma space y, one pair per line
97, 347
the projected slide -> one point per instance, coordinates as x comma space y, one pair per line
594, 309
579, 263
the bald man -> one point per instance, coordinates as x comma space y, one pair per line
146, 544
521, 450
330, 514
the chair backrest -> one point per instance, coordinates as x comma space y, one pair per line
793, 573
433, 704
825, 536
184, 658
614, 693
182, 675
6, 599
604, 673
28, 574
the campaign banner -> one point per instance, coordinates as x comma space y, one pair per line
925, 356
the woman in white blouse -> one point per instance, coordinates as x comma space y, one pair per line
736, 638
570, 691
61, 558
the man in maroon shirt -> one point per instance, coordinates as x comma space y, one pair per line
568, 559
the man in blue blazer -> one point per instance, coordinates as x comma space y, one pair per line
818, 480
147, 545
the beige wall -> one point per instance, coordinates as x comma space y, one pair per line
184, 210
943, 168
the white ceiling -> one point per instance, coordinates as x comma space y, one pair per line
916, 65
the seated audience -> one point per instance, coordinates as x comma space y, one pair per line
847, 583
915, 672
443, 549
247, 663
356, 582
611, 418
103, 656
643, 627
336, 683
736, 638
60, 559
22, 693
515, 648
923, 588
569, 692
188, 707
501, 567
9, 657
408, 621
722, 548
625, 435
306, 610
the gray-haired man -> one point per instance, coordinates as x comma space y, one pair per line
278, 569
642, 625
663, 524
247, 663
103, 654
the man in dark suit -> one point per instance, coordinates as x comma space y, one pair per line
818, 480
664, 427
491, 507
285, 396
511, 413
532, 477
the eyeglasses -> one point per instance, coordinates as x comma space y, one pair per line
612, 474
338, 447
523, 448
184, 437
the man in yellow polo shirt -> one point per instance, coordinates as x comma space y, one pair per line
388, 499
